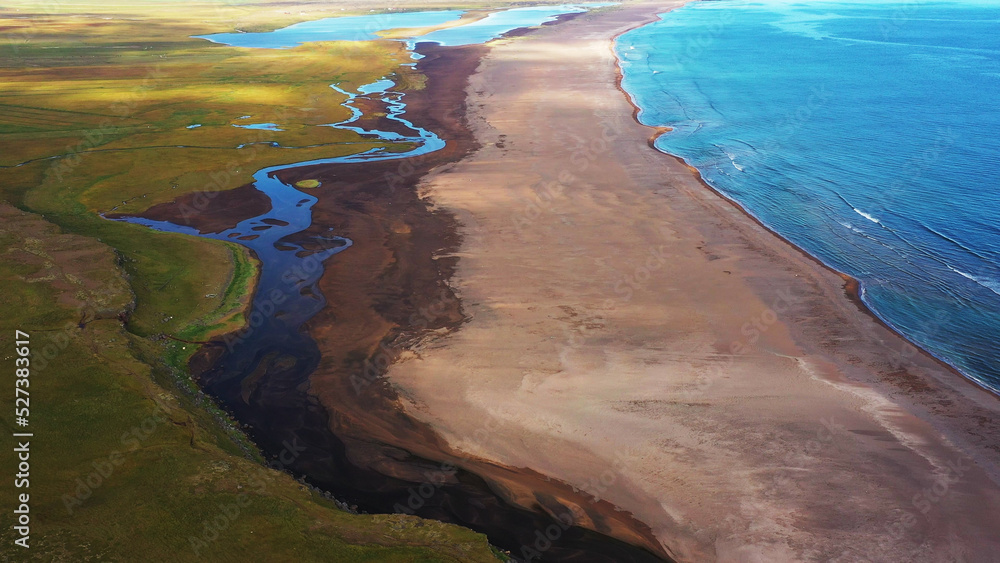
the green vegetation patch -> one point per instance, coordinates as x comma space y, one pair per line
126, 465
130, 461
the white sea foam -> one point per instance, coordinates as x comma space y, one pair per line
851, 227
866, 215
990, 284
732, 158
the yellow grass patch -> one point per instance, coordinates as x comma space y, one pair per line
307, 184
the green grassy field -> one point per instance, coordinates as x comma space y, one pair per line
126, 466
129, 461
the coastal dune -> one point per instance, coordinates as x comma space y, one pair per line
634, 335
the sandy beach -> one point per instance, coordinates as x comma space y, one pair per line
496, 318
631, 339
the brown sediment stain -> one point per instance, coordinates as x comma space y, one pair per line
374, 116
209, 211
657, 132
522, 31
81, 273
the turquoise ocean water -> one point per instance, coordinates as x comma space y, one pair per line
867, 133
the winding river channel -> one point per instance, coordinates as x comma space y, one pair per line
261, 374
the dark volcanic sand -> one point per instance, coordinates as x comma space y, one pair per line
210, 212
383, 295
374, 116
391, 288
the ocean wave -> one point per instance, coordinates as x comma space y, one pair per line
866, 215
731, 156
990, 284
955, 242
851, 227
732, 159
925, 203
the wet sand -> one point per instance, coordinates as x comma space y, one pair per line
633, 335
387, 294
209, 212
324, 392
573, 317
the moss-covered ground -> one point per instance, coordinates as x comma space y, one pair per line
129, 462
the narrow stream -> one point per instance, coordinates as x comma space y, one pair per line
261, 376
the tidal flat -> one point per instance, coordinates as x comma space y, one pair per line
279, 286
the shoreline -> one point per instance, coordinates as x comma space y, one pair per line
387, 430
849, 383
852, 285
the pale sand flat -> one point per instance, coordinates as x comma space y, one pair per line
614, 305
